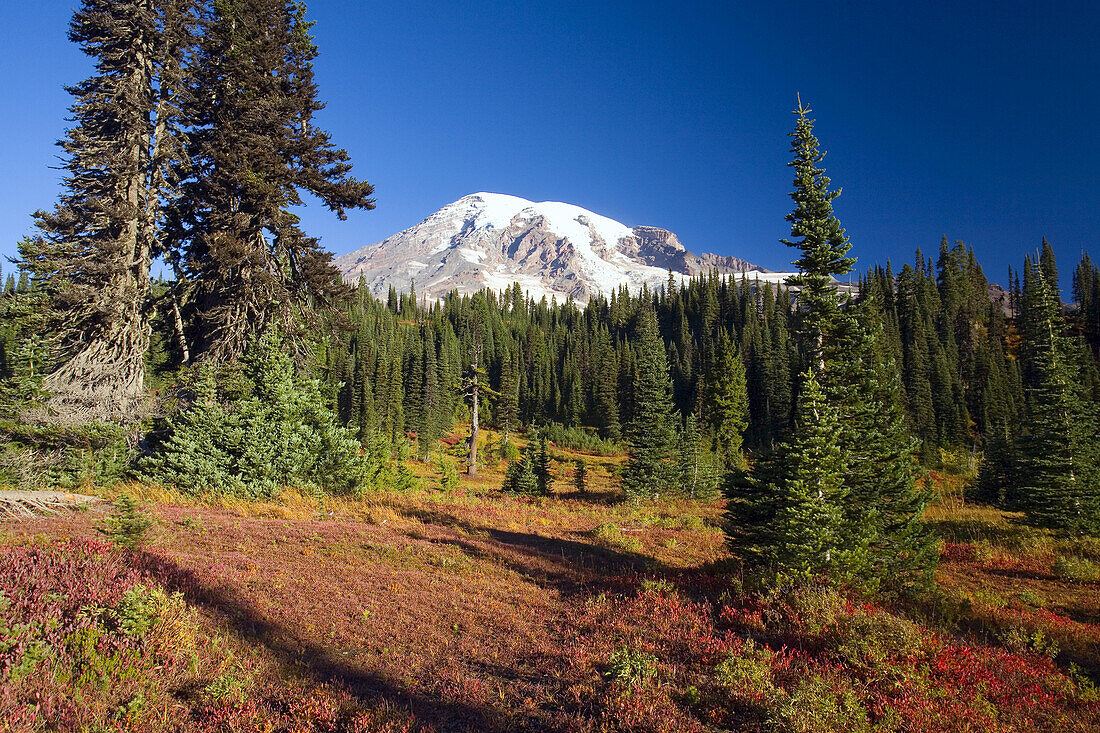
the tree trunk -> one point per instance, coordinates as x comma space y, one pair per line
471, 466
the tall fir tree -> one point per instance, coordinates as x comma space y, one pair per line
787, 518
253, 148
93, 255
875, 515
817, 233
650, 469
1058, 462
727, 405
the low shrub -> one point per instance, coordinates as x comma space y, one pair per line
64, 458
86, 640
747, 673
610, 535
631, 667
257, 427
869, 641
1075, 568
819, 705
448, 472
1028, 641
580, 439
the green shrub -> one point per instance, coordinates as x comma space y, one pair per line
229, 686
127, 524
448, 473
748, 672
631, 667
141, 607
870, 641
659, 585
611, 536
66, 458
1027, 641
582, 439
256, 427
1075, 568
530, 474
810, 609
819, 705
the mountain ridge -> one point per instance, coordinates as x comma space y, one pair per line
550, 248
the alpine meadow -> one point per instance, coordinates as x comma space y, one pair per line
519, 467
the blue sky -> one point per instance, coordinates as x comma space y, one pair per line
978, 120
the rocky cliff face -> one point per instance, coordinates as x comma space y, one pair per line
549, 248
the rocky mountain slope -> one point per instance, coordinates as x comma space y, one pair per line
549, 248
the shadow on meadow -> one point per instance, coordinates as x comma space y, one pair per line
311, 662
568, 566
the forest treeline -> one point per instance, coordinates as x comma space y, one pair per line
961, 349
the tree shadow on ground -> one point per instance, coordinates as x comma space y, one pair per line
568, 565
316, 664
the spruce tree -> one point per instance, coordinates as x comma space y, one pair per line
787, 517
866, 468
698, 467
253, 148
818, 235
727, 405
267, 428
650, 469
522, 475
580, 477
93, 255
1058, 462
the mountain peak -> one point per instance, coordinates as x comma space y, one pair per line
550, 248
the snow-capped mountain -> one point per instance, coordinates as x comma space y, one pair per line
493, 240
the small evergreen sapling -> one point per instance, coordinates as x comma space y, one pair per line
128, 524
530, 474
580, 477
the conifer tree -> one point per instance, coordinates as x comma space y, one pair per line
650, 469
523, 475
541, 467
727, 405
698, 467
580, 477
253, 148
787, 517
820, 238
93, 255
865, 468
1058, 462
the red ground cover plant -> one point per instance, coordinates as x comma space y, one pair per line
457, 612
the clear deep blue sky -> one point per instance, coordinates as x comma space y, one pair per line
978, 120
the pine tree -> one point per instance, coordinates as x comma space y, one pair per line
507, 408
580, 477
820, 238
886, 542
1058, 469
849, 441
727, 405
787, 518
541, 467
93, 255
253, 148
650, 469
698, 467
522, 476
